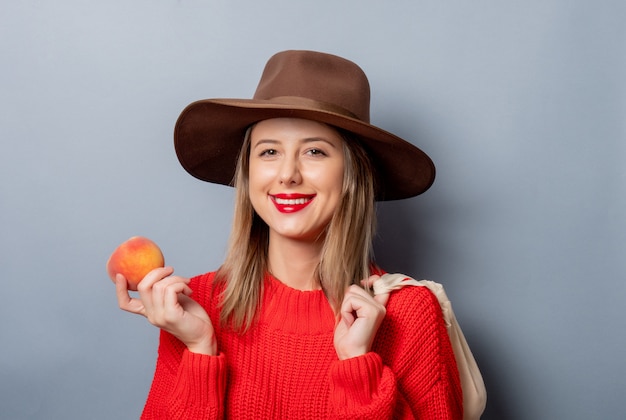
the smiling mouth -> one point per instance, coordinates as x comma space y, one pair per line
291, 203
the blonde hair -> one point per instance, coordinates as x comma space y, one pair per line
346, 255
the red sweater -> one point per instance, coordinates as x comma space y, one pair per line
286, 367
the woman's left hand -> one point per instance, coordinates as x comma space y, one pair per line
360, 317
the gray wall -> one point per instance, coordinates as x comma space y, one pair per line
520, 104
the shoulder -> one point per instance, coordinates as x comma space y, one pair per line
411, 300
414, 342
413, 328
206, 278
204, 287
413, 303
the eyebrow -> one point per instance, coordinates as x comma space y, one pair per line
305, 140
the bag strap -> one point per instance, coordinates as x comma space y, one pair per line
472, 384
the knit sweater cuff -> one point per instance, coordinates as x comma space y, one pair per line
201, 384
355, 382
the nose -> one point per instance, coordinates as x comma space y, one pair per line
290, 172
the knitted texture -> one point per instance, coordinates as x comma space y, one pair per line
286, 367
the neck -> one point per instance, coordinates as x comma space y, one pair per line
294, 262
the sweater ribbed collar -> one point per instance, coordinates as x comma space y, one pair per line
295, 311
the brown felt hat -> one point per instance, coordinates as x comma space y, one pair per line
300, 84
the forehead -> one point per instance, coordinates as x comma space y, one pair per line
293, 129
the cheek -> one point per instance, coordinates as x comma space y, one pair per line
258, 176
327, 177
256, 193
262, 170
335, 179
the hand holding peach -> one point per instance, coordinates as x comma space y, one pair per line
164, 299
134, 258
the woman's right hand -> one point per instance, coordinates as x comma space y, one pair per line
164, 300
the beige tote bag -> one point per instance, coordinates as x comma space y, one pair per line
472, 384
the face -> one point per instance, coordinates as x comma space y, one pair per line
295, 176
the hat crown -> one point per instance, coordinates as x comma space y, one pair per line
316, 76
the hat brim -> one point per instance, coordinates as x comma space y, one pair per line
209, 134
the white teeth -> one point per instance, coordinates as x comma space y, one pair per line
291, 201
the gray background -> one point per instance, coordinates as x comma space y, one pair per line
520, 104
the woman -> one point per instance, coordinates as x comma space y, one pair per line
284, 330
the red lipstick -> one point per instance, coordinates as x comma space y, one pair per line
291, 203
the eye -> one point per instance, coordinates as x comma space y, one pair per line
268, 153
316, 152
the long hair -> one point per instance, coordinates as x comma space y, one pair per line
346, 255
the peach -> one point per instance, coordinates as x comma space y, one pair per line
135, 258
